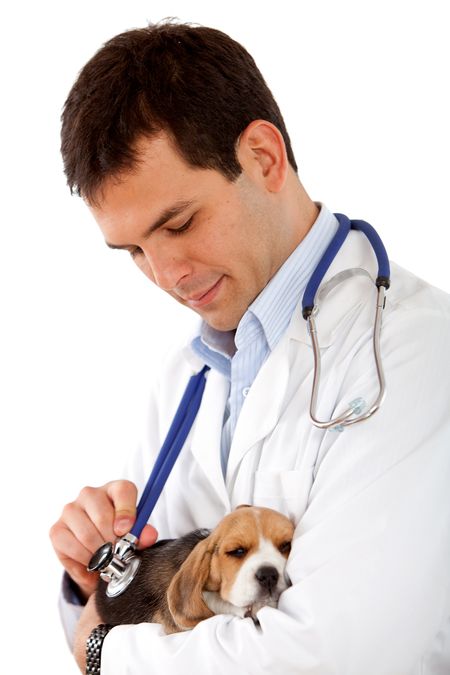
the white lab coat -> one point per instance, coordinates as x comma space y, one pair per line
370, 561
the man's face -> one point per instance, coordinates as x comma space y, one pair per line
209, 243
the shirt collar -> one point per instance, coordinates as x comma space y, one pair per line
275, 304
272, 309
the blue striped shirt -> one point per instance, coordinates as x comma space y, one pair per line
239, 355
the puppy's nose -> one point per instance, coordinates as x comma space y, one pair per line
267, 577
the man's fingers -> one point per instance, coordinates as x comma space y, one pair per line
91, 517
86, 581
97, 515
123, 495
68, 547
122, 524
148, 537
74, 557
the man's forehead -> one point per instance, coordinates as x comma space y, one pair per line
159, 175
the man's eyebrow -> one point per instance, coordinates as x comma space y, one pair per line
164, 217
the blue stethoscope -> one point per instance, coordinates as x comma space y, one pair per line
118, 564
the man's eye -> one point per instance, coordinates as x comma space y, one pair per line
183, 228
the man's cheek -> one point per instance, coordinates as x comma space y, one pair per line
142, 264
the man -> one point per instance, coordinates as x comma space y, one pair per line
175, 143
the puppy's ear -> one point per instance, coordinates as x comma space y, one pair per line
184, 595
243, 506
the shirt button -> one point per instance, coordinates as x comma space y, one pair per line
245, 391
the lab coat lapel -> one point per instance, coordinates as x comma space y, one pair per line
264, 403
207, 433
262, 406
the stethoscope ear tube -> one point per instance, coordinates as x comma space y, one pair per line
324, 263
382, 283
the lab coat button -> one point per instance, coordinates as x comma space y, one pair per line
245, 391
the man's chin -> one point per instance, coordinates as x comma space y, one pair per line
220, 322
220, 319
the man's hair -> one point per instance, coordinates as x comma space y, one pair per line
195, 83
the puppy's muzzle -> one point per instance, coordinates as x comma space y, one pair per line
267, 577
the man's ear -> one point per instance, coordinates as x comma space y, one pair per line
184, 595
262, 154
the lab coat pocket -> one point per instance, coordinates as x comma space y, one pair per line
284, 491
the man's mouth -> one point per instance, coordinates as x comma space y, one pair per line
205, 297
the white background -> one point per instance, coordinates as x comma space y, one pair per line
363, 87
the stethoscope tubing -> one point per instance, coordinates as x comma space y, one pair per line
382, 283
343, 419
176, 436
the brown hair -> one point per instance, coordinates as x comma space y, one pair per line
196, 83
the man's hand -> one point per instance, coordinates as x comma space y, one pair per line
96, 516
88, 621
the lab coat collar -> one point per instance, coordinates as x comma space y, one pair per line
356, 253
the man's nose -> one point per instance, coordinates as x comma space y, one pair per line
165, 268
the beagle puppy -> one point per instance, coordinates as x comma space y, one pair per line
237, 568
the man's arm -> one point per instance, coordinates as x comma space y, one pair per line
89, 619
369, 563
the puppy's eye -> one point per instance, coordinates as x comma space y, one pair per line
285, 547
237, 552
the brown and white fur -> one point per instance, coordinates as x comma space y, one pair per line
237, 568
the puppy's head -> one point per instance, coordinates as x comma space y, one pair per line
243, 560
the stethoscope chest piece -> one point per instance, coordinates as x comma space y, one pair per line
118, 565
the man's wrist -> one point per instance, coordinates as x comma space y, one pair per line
89, 619
94, 645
